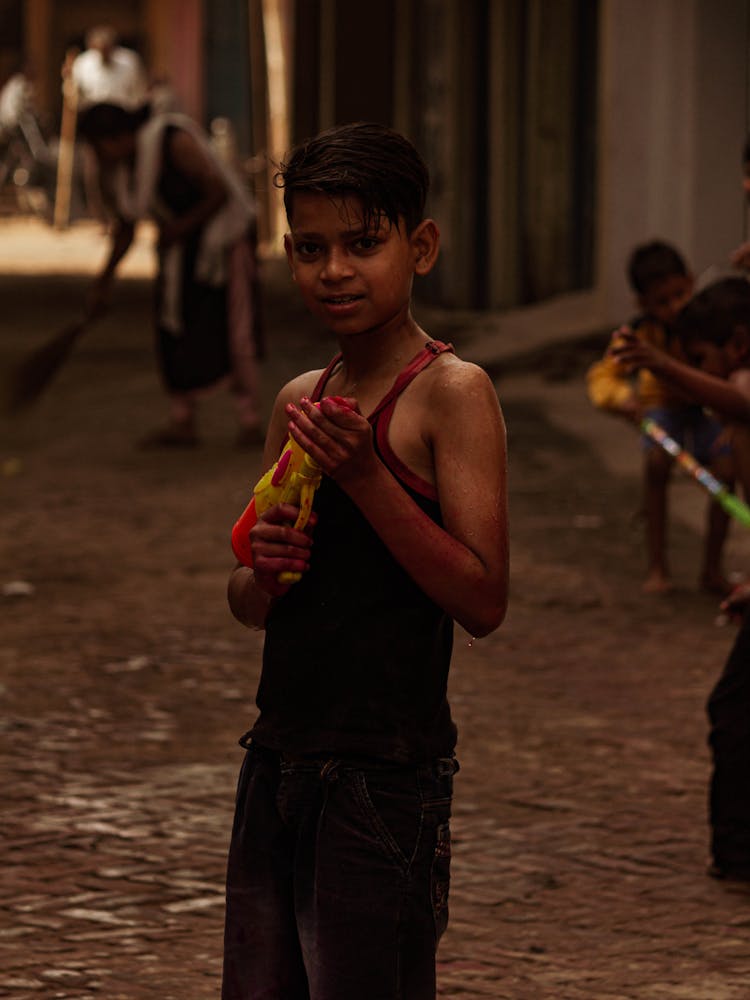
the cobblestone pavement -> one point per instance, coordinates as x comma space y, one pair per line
580, 832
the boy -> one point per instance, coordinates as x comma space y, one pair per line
715, 332
338, 869
663, 284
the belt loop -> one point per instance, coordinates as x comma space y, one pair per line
329, 770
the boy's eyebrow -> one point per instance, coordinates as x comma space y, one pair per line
308, 234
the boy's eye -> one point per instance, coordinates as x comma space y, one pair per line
306, 248
366, 243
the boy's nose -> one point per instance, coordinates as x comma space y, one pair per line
336, 266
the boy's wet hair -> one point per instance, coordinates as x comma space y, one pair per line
714, 314
107, 121
653, 262
364, 160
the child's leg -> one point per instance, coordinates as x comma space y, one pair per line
262, 956
657, 468
729, 804
372, 897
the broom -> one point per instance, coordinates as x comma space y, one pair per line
32, 376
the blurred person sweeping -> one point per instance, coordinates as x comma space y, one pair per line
162, 166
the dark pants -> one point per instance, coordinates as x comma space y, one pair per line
729, 715
337, 882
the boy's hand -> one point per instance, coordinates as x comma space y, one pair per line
741, 256
737, 602
634, 353
278, 548
336, 435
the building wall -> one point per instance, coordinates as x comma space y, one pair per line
721, 101
672, 111
670, 121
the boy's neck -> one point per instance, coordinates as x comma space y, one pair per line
378, 353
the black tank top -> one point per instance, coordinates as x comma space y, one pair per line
356, 655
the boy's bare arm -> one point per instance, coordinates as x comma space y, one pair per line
730, 398
463, 566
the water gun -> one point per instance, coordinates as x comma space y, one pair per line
293, 479
731, 503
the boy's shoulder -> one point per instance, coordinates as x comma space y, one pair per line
455, 388
450, 377
301, 385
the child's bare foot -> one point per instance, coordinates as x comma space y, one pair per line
657, 582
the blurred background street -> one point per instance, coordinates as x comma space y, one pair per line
580, 815
558, 136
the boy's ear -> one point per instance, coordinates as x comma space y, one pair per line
425, 241
288, 249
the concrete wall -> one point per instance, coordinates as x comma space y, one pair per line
672, 119
720, 127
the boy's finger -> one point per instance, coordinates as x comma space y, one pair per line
280, 513
342, 411
318, 425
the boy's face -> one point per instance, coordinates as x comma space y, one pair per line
709, 357
720, 359
353, 279
664, 299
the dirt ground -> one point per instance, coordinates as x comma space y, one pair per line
580, 821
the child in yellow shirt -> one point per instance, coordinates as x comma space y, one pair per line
714, 330
663, 284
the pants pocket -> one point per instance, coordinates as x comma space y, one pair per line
392, 807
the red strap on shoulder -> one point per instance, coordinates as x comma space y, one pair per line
380, 418
322, 381
431, 350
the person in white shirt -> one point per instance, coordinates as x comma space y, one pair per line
107, 72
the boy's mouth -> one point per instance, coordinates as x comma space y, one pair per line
341, 300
